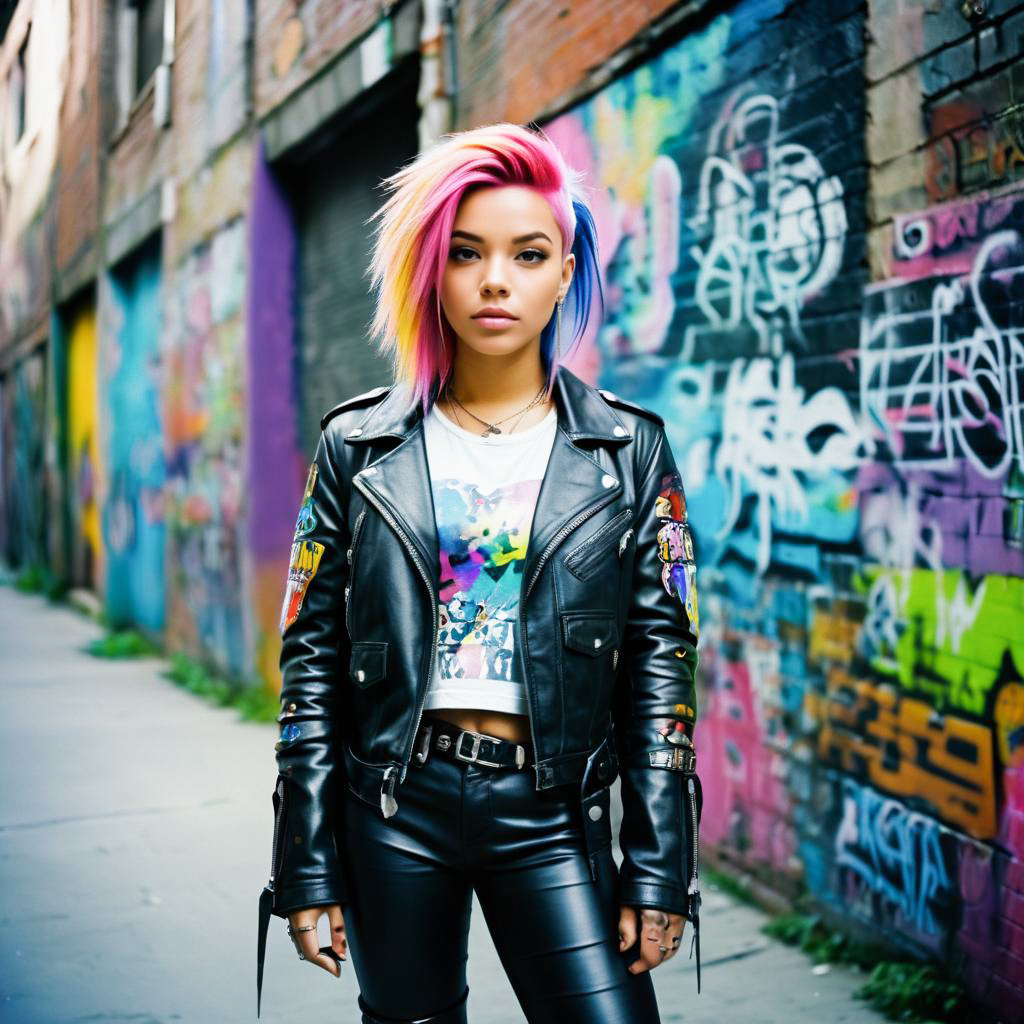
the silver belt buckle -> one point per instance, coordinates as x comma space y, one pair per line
474, 757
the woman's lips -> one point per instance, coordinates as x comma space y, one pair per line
495, 321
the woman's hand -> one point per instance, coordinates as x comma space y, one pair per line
657, 929
309, 942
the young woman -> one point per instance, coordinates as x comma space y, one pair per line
491, 614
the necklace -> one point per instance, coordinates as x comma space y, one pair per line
492, 428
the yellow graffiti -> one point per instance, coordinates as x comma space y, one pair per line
905, 747
1008, 714
83, 445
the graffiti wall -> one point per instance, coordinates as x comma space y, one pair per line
276, 464
850, 431
204, 401
132, 516
84, 468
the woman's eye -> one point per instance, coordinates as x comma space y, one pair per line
533, 255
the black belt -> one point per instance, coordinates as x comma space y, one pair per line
436, 736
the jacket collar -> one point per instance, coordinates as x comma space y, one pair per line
575, 484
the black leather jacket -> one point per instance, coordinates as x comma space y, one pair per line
607, 645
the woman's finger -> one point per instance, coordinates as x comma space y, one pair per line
659, 931
309, 941
339, 941
627, 927
675, 937
653, 926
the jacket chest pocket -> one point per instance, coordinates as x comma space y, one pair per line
592, 555
368, 662
591, 633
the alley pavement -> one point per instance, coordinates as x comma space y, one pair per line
135, 830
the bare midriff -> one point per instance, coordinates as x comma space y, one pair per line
502, 724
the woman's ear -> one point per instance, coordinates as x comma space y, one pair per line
568, 267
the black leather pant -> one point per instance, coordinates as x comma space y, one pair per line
462, 827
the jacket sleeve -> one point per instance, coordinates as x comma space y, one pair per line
656, 708
306, 867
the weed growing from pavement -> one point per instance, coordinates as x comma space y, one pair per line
122, 643
252, 699
39, 579
904, 990
254, 702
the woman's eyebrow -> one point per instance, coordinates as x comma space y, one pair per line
515, 241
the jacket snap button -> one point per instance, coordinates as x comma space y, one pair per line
597, 641
595, 813
291, 707
355, 433
360, 675
619, 431
608, 481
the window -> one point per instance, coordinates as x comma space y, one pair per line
149, 40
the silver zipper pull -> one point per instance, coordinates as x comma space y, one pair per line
624, 540
388, 803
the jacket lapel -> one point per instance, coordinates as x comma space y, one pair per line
574, 483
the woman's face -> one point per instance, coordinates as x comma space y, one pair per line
505, 251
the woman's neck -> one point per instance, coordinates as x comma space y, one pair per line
500, 395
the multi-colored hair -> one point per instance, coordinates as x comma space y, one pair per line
411, 245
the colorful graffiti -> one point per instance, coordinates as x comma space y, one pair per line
204, 418
133, 512
853, 457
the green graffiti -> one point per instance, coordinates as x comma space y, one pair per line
940, 633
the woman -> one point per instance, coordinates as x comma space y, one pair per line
490, 614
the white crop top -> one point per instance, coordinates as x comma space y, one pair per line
485, 492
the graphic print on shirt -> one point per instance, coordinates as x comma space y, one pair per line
482, 540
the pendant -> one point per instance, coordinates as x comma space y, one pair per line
491, 429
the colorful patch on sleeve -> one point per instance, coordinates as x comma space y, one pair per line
671, 501
306, 522
305, 561
678, 569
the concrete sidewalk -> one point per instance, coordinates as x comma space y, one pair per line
135, 829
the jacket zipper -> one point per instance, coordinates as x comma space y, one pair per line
693, 820
558, 537
593, 546
350, 554
277, 831
545, 554
388, 786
